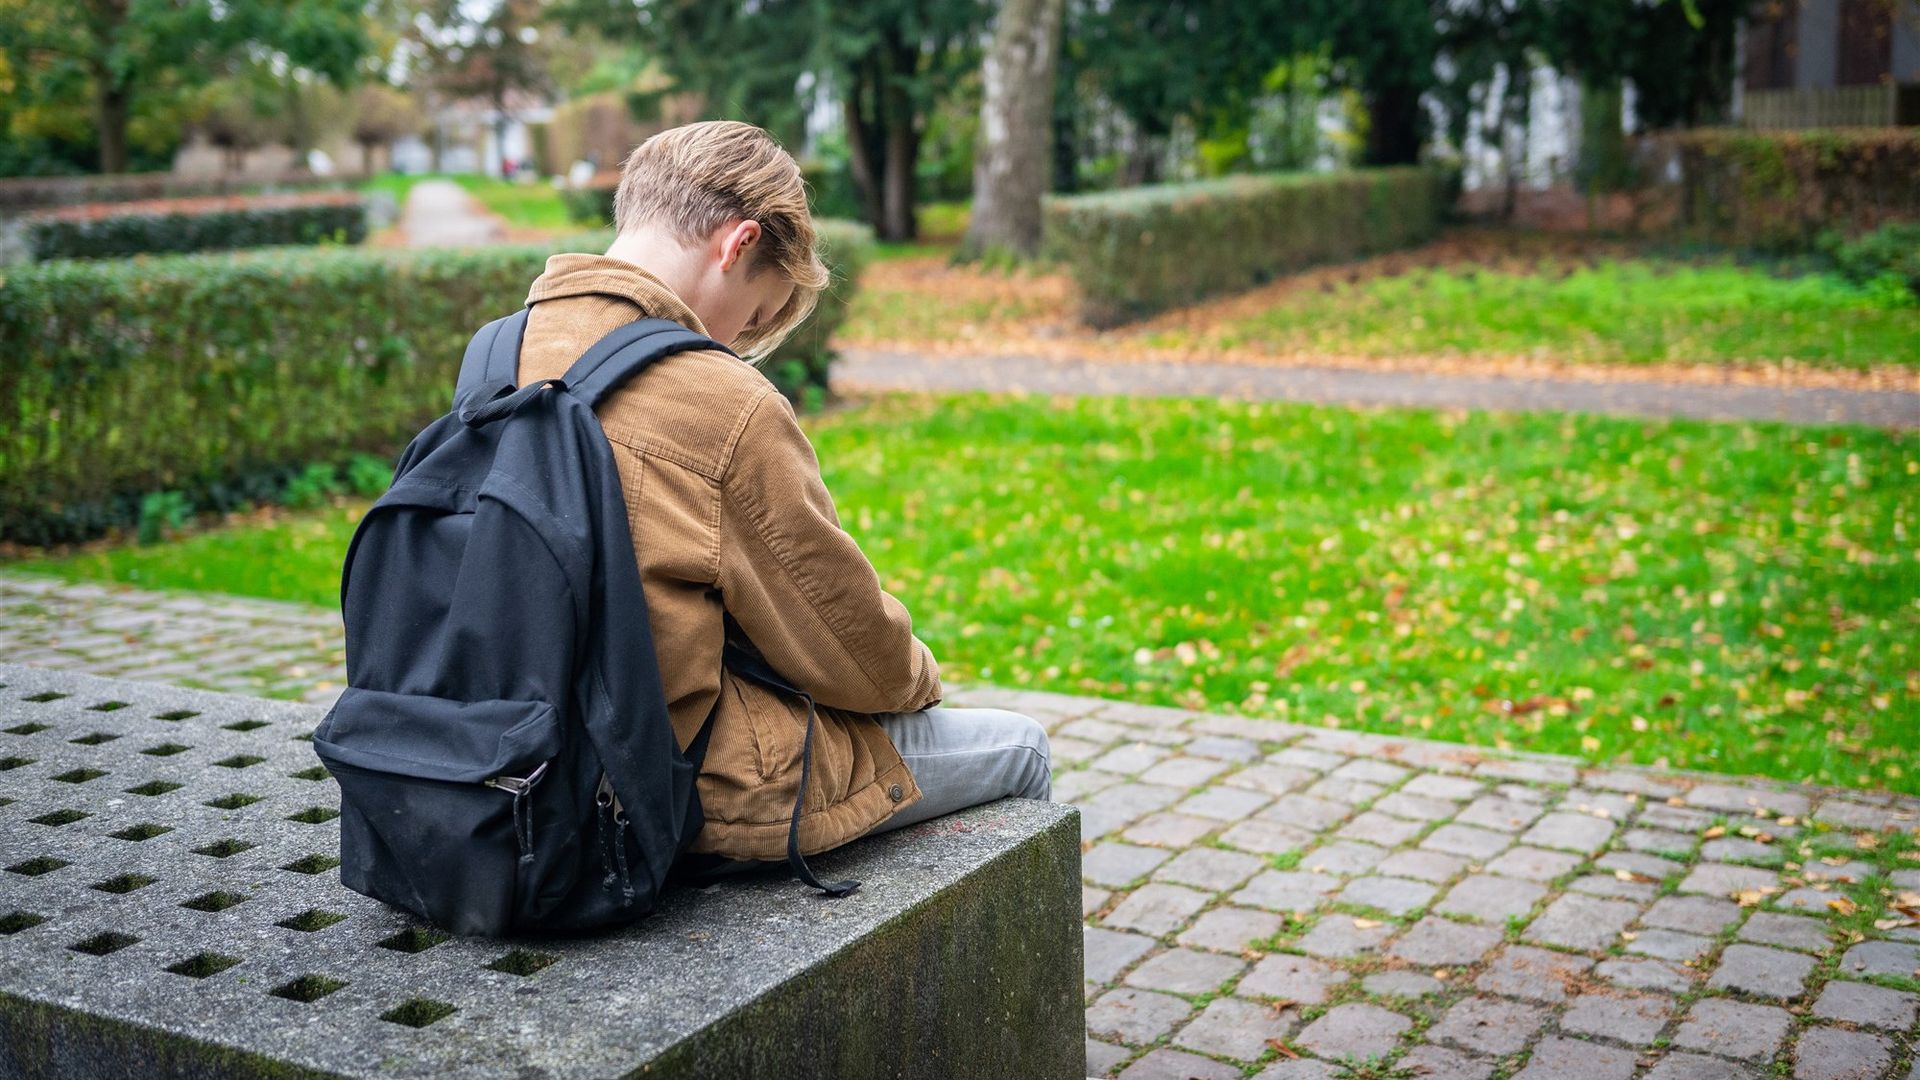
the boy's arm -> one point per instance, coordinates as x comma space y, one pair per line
801, 587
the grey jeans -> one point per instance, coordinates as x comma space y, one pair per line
960, 758
964, 757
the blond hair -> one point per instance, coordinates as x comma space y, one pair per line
695, 178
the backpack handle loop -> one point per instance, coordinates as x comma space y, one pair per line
495, 402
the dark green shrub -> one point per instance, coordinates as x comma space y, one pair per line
1140, 250
106, 230
590, 205
223, 377
1891, 251
1779, 190
312, 486
160, 511
368, 476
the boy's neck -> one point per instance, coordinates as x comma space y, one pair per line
661, 254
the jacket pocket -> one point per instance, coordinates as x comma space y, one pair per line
778, 723
436, 801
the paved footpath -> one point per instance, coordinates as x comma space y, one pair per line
1264, 899
440, 213
863, 369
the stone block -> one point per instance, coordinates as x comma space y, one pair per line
1339, 937
1786, 931
1866, 1005
1534, 974
222, 943
1437, 942
1395, 896
1581, 922
1184, 971
1135, 1016
1230, 929
1178, 1065
1298, 979
1356, 1031
1556, 1058
1118, 865
1830, 1053
1156, 909
1489, 1025
1491, 899
1762, 972
1237, 1029
1734, 1029
1636, 1019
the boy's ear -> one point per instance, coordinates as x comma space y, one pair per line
739, 242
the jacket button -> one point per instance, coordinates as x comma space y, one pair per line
895, 793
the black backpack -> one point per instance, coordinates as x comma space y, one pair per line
505, 759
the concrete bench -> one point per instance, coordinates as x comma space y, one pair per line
170, 907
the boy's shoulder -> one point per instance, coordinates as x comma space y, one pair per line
688, 408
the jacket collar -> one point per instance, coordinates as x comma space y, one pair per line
583, 274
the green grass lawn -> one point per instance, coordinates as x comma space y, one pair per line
1631, 312
534, 204
1728, 597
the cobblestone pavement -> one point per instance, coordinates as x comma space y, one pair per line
862, 369
230, 643
1270, 900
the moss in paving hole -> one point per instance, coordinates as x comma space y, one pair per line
156, 787
15, 921
245, 725
312, 919
94, 738
34, 867
314, 815
312, 864
308, 988
108, 706
166, 749
176, 715
413, 939
318, 772
60, 817
146, 830
523, 962
15, 763
46, 695
239, 761
221, 849
28, 729
218, 900
79, 776
201, 965
418, 1012
103, 943
234, 801
124, 883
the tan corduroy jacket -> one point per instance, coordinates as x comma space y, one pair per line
729, 515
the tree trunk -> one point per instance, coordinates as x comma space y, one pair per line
1010, 163
862, 160
112, 105
899, 182
1393, 126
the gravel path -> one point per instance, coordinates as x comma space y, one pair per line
861, 369
1268, 898
439, 213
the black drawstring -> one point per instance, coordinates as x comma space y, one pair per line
523, 823
794, 859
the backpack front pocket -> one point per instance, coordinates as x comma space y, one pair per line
436, 800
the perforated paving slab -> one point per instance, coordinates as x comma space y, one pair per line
169, 863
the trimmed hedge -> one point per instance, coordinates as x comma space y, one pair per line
19, 194
592, 202
222, 376
1779, 190
111, 230
1140, 250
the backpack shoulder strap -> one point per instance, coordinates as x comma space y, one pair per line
621, 354
493, 356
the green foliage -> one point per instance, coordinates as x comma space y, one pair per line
126, 68
1734, 597
160, 511
1779, 190
368, 476
590, 205
137, 229
1890, 252
1137, 251
313, 486
224, 376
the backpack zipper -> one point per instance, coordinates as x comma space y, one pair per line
608, 807
520, 787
